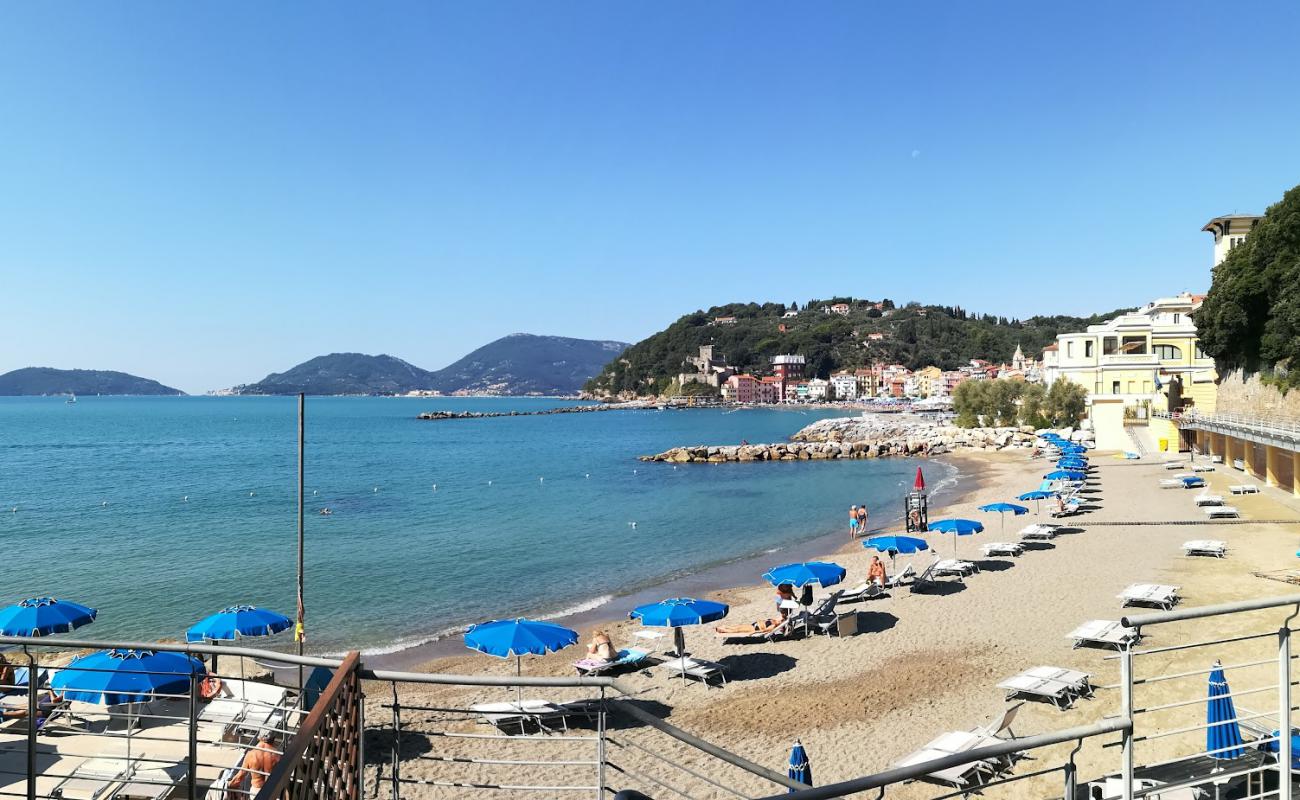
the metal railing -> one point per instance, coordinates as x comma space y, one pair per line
458, 733
1281, 428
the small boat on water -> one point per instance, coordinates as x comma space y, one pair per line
72, 398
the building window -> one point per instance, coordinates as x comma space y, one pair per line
1135, 345
1177, 318
1200, 354
1087, 349
1146, 387
1109, 345
1168, 352
1069, 349
1114, 387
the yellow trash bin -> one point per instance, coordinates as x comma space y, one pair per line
1164, 445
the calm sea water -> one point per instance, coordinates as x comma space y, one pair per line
158, 511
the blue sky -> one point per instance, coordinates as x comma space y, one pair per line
206, 192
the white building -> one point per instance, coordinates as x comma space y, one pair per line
818, 389
1229, 231
845, 386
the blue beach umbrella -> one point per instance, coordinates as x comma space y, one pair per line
676, 613
504, 638
822, 573
237, 622
1037, 495
957, 527
41, 616
114, 677
1002, 509
1071, 461
895, 545
800, 770
1065, 475
1223, 736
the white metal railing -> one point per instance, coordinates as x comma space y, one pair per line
1282, 428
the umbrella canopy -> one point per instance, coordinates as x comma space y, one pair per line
114, 677
1004, 508
800, 770
1037, 494
236, 622
41, 616
679, 611
960, 527
1192, 481
1223, 736
1065, 475
822, 573
905, 545
918, 485
1069, 461
504, 638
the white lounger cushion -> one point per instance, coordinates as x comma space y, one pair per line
1040, 530
1205, 546
1221, 511
1003, 548
1156, 594
1102, 631
1244, 488
954, 566
1205, 499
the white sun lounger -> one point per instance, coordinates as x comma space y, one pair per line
93, 779
1003, 549
1039, 531
1158, 595
1244, 488
1174, 465
628, 657
964, 776
701, 670
1103, 632
1205, 547
1202, 468
908, 574
1207, 499
1171, 483
516, 715
1221, 512
863, 591
954, 568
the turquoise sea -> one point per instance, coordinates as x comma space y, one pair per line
159, 511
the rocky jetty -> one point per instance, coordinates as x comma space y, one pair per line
863, 437
543, 412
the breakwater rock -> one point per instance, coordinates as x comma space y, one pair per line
543, 412
854, 437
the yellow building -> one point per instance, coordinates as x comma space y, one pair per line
1138, 362
929, 381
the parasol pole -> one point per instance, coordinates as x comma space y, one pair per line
299, 630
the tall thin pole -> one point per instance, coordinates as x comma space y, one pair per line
300, 633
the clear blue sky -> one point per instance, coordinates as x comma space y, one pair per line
206, 192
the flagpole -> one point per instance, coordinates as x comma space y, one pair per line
299, 632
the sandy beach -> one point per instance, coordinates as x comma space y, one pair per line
923, 663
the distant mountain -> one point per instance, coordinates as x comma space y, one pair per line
343, 373
44, 380
514, 365
523, 363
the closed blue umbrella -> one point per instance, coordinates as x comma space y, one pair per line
800, 770
957, 527
237, 622
677, 613
1223, 735
504, 638
1002, 509
822, 573
41, 616
1192, 481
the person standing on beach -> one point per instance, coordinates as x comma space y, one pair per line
862, 519
853, 522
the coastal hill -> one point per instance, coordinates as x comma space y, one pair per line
518, 364
522, 363
45, 381
839, 333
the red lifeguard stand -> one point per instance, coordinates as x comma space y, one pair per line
916, 510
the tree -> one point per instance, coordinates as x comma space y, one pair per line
1002, 405
970, 401
1031, 405
1065, 403
794, 306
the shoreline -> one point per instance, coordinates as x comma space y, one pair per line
727, 577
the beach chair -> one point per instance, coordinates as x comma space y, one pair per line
1173, 465
517, 715
1055, 685
703, 671
1071, 508
1039, 531
823, 618
1207, 499
1155, 595
1000, 724
1103, 633
1244, 488
863, 591
1003, 549
908, 574
964, 777
925, 580
1171, 483
1216, 459
954, 568
1222, 512
155, 783
93, 779
1202, 468
783, 630
1205, 547
629, 658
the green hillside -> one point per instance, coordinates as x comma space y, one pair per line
913, 335
45, 380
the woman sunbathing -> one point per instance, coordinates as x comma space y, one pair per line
601, 648
766, 626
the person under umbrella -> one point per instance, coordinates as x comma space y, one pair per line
894, 545
804, 575
676, 613
504, 638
